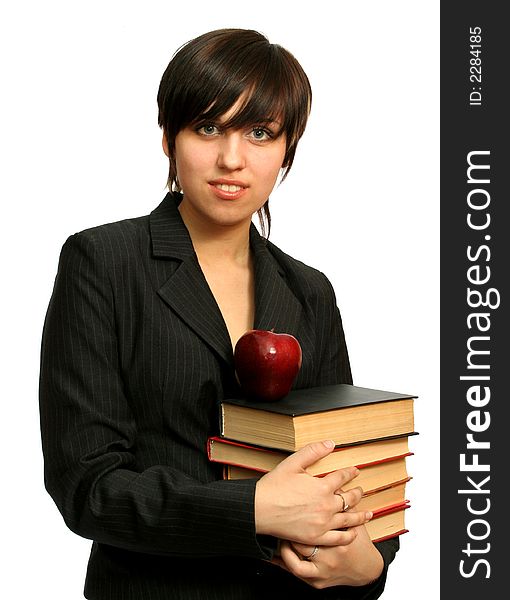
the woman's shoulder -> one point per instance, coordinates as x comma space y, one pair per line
109, 246
127, 235
115, 238
116, 230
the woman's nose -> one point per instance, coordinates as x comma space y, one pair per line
231, 154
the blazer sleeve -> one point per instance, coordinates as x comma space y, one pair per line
335, 368
89, 436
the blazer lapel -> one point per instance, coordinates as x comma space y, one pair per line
187, 293
186, 290
276, 306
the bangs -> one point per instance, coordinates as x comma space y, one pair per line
266, 93
257, 107
208, 81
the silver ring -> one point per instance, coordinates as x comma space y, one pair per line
310, 556
346, 506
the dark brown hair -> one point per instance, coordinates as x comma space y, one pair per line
208, 74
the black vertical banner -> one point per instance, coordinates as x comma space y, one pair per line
475, 269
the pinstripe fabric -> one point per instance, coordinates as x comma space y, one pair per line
135, 360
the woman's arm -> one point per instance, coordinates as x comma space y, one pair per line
90, 437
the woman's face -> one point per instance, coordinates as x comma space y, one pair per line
226, 175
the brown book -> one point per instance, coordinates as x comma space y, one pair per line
343, 413
264, 459
388, 496
372, 477
387, 522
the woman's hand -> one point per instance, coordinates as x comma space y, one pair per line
293, 505
355, 564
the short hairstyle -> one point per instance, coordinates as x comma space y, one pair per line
207, 75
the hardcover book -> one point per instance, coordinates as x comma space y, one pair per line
373, 477
387, 522
344, 413
230, 452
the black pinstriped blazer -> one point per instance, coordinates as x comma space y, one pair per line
135, 360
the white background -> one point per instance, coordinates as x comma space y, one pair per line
80, 146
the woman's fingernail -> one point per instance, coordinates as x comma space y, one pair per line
369, 515
329, 444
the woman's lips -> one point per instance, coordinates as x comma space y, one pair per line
228, 190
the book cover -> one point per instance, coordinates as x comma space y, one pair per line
319, 399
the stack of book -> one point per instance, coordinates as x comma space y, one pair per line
371, 430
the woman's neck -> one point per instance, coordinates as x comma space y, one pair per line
218, 244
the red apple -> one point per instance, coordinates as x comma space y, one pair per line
266, 364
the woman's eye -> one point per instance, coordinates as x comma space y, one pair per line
260, 134
208, 129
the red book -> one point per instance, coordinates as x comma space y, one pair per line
372, 478
382, 464
249, 456
388, 522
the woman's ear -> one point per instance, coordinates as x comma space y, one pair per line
165, 145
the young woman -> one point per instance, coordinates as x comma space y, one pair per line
137, 353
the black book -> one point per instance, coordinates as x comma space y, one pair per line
344, 413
